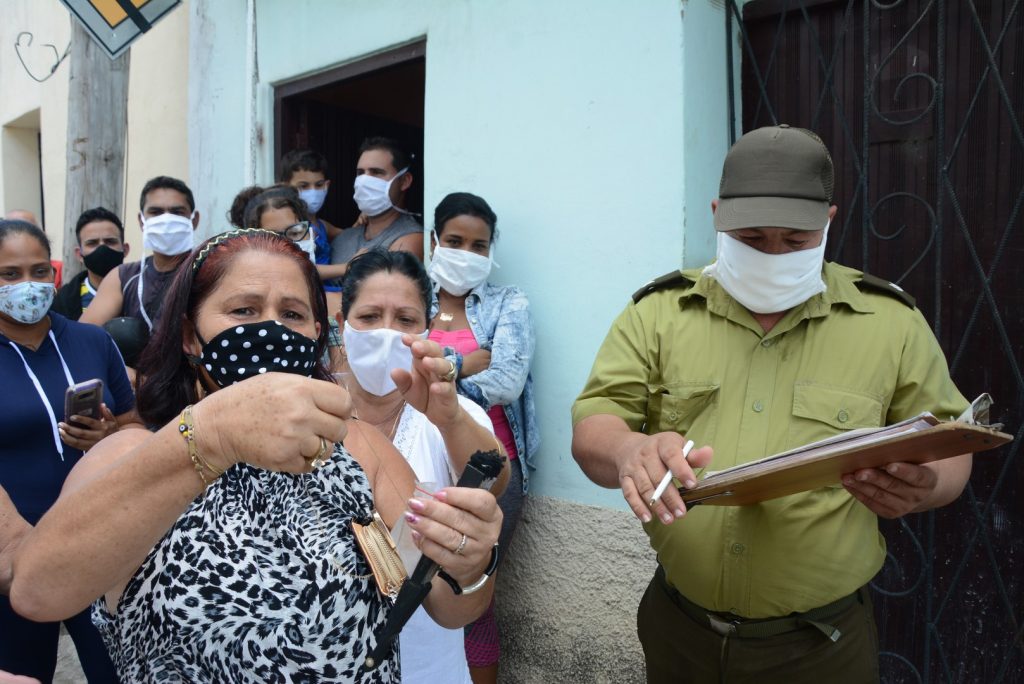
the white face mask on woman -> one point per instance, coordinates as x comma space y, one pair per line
309, 247
768, 283
373, 354
168, 234
458, 271
372, 194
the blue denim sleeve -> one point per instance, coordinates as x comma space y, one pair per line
511, 354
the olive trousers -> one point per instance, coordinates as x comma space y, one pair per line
683, 645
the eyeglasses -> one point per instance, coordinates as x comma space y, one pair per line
297, 231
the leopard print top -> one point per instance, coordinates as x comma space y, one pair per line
260, 580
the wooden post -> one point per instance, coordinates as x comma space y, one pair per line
97, 126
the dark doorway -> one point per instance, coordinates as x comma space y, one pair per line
920, 102
335, 111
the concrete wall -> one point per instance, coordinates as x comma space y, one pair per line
157, 141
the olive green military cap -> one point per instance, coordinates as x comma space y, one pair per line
776, 177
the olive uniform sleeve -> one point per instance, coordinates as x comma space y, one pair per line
618, 382
924, 383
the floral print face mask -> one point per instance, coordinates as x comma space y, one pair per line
26, 302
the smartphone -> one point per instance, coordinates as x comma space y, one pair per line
83, 399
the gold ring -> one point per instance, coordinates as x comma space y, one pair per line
318, 460
452, 370
462, 545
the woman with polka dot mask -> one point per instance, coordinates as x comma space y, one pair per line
253, 467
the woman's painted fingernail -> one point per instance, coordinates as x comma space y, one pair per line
645, 518
411, 519
441, 495
417, 537
680, 512
667, 518
416, 505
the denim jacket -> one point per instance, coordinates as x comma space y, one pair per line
499, 317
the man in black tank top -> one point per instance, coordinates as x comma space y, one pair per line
168, 218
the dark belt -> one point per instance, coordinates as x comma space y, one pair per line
729, 625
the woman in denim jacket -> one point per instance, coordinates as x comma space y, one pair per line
487, 331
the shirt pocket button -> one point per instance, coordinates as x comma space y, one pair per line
843, 416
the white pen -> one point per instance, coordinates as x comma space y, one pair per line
663, 485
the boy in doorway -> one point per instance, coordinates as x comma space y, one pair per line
306, 171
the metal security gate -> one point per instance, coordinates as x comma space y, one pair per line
922, 105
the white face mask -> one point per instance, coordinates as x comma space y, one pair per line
168, 234
314, 198
26, 302
373, 354
768, 283
372, 194
458, 271
309, 247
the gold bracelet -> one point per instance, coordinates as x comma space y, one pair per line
186, 427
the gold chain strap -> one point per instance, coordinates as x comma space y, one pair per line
186, 426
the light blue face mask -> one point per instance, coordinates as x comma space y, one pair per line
26, 302
314, 198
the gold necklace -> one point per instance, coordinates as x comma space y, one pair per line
390, 434
394, 426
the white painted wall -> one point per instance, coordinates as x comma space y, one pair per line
158, 113
42, 106
594, 128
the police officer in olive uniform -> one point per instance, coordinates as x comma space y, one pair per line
766, 349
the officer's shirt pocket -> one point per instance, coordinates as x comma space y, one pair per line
687, 408
822, 411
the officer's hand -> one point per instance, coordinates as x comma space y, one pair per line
641, 470
893, 491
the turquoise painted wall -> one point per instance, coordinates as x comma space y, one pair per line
592, 127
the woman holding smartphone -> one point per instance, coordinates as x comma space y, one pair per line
41, 355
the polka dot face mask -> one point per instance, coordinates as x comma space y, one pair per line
243, 351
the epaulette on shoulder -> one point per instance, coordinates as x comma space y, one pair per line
671, 279
870, 282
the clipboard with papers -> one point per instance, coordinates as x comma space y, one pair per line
921, 439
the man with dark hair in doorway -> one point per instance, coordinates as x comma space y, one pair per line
168, 218
383, 179
768, 348
101, 248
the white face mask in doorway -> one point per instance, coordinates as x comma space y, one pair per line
373, 195
167, 234
458, 271
768, 283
